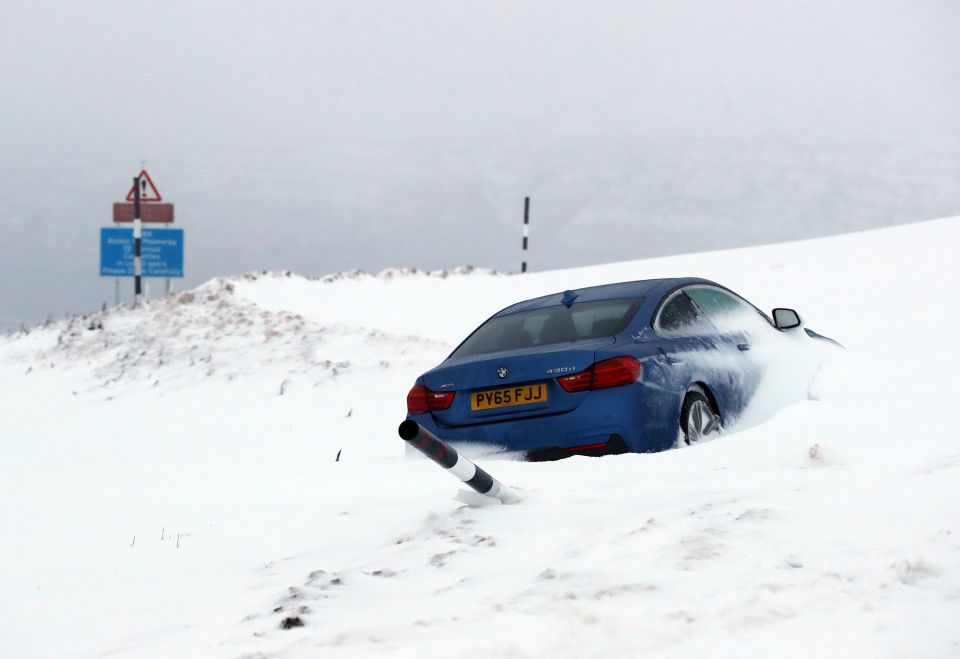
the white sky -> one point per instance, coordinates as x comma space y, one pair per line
323, 136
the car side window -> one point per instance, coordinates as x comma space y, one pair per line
679, 315
724, 308
714, 302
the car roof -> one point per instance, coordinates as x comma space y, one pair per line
627, 289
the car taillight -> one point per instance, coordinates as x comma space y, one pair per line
439, 400
420, 400
578, 381
615, 372
603, 375
417, 400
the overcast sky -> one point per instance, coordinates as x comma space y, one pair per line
320, 136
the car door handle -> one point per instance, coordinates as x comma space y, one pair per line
743, 346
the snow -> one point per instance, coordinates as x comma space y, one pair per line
170, 488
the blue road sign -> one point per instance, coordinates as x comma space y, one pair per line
160, 249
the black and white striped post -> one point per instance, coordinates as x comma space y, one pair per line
526, 231
447, 457
137, 231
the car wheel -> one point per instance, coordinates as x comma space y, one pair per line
698, 419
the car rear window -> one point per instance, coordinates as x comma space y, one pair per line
551, 325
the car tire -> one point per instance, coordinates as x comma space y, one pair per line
698, 418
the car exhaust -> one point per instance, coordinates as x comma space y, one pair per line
447, 457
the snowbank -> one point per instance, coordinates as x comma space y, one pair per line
171, 484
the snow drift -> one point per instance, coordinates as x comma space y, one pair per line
171, 487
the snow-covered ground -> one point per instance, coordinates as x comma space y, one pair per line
169, 486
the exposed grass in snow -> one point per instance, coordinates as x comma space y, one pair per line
212, 420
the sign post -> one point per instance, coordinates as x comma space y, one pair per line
137, 228
140, 252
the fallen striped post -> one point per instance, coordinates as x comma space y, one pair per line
444, 455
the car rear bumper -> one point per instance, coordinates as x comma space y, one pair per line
631, 418
615, 445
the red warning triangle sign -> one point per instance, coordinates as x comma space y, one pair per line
148, 191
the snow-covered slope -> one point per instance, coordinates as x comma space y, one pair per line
170, 486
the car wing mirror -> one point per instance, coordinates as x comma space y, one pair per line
786, 318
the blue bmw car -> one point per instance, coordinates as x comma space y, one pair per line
629, 367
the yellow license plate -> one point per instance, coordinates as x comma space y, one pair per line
524, 395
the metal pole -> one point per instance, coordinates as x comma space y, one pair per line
526, 231
116, 291
447, 457
137, 231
